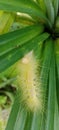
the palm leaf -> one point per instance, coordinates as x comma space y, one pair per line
44, 77
14, 113
55, 4
50, 10
13, 39
56, 114
12, 56
29, 7
51, 96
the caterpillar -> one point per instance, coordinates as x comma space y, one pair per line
28, 82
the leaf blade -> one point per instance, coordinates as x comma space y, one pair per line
29, 7
15, 54
13, 39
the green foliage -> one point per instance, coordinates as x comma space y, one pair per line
38, 31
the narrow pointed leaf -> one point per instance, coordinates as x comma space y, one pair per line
39, 118
55, 4
13, 39
29, 7
15, 54
14, 113
44, 77
56, 114
20, 120
28, 121
50, 10
51, 97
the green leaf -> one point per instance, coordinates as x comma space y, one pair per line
56, 114
29, 7
50, 10
7, 82
9, 58
38, 121
20, 120
9, 95
28, 121
44, 77
55, 4
42, 5
51, 96
6, 20
14, 39
14, 113
2, 100
24, 19
57, 67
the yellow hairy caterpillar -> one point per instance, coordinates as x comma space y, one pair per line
28, 82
